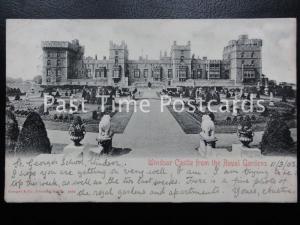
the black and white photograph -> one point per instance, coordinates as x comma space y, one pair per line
159, 110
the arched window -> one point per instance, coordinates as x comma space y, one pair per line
48, 62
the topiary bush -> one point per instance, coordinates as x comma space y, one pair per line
95, 115
60, 116
71, 117
66, 117
234, 120
11, 131
228, 120
277, 137
17, 98
33, 138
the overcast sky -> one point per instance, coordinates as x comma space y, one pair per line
148, 37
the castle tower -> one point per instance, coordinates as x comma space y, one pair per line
118, 57
181, 61
244, 59
62, 60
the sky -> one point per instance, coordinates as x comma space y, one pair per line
147, 37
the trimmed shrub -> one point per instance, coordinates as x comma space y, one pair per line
276, 137
55, 117
33, 138
71, 117
95, 115
266, 112
17, 98
66, 117
11, 131
228, 119
234, 120
60, 116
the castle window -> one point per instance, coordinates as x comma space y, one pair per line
116, 60
116, 53
137, 73
181, 58
89, 73
145, 73
243, 62
48, 62
97, 73
58, 72
252, 54
58, 62
48, 72
242, 55
252, 62
199, 73
102, 72
170, 75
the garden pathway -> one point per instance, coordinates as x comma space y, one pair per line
155, 134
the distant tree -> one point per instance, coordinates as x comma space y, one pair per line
17, 97
38, 79
33, 138
276, 137
11, 131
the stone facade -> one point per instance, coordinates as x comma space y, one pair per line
64, 64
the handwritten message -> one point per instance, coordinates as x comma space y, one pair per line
58, 178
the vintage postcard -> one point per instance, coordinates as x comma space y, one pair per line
159, 110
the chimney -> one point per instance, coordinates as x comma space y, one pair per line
96, 56
104, 57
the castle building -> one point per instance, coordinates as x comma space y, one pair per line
64, 64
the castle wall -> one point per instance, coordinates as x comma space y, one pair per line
64, 63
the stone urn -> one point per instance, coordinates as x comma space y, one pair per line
77, 131
244, 132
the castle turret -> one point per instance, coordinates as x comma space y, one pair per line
244, 59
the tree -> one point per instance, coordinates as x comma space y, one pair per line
38, 79
33, 138
11, 131
277, 136
17, 98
